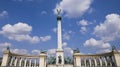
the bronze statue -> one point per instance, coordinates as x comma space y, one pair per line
59, 60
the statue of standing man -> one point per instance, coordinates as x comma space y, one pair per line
59, 59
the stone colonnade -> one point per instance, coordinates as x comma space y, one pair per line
15, 60
111, 59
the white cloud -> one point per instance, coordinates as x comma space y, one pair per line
20, 51
66, 36
104, 50
51, 52
83, 30
45, 38
3, 46
109, 30
64, 44
73, 8
35, 52
3, 14
83, 22
44, 12
55, 30
96, 43
19, 32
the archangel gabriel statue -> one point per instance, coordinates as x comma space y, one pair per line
58, 11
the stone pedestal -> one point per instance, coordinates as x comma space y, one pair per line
5, 58
59, 52
77, 60
59, 65
42, 62
116, 58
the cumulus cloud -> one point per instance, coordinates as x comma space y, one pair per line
35, 52
45, 38
25, 51
19, 32
109, 30
19, 51
83, 22
100, 45
73, 8
96, 43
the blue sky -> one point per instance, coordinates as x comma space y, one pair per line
28, 26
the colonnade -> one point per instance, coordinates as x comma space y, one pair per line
96, 62
110, 59
16, 60
24, 61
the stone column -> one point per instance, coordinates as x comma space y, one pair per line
90, 62
5, 59
85, 62
25, 62
95, 62
77, 60
15, 61
100, 61
42, 60
11, 61
35, 63
20, 63
30, 63
105, 61
111, 61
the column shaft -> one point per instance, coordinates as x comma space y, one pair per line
11, 62
95, 62
15, 62
100, 61
25, 62
20, 63
105, 61
90, 62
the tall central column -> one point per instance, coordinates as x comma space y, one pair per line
59, 32
59, 51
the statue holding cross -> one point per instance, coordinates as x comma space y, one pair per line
58, 11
